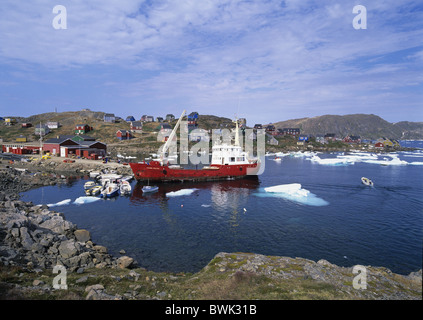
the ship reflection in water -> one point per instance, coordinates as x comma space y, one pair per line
226, 196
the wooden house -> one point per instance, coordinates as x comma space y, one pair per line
291, 131
10, 121
136, 126
109, 117
352, 139
82, 128
330, 137
130, 118
55, 146
270, 129
21, 138
123, 135
52, 124
41, 129
170, 117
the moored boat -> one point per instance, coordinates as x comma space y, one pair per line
111, 190
147, 189
125, 188
89, 185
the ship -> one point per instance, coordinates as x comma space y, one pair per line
228, 161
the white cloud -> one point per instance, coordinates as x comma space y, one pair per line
290, 56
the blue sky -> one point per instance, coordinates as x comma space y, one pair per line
266, 61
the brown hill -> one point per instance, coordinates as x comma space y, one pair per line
368, 126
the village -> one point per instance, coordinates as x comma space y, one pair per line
85, 140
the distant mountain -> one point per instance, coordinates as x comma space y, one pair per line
367, 126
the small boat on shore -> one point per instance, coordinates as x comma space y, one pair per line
147, 189
367, 181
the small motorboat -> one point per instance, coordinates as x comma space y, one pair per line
366, 181
127, 178
111, 190
150, 188
125, 188
277, 159
89, 185
94, 191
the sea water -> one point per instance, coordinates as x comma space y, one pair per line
299, 207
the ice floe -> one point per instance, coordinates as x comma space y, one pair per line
333, 161
293, 192
85, 200
60, 203
183, 192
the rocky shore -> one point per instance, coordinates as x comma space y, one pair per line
35, 239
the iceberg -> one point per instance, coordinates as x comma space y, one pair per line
292, 189
60, 203
332, 161
394, 162
293, 192
183, 192
85, 200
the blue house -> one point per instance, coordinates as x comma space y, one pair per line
130, 118
109, 117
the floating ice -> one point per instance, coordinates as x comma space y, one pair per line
332, 161
205, 205
85, 200
60, 203
293, 192
183, 192
394, 162
416, 163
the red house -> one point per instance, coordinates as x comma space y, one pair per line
59, 146
82, 128
379, 145
124, 135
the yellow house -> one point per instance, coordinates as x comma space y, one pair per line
10, 121
21, 138
389, 142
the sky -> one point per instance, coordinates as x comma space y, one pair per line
265, 61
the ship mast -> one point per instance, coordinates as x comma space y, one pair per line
236, 133
171, 136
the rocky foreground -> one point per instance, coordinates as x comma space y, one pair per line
34, 240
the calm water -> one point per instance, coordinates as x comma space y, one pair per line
340, 220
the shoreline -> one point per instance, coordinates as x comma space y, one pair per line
33, 239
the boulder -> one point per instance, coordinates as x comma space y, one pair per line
125, 262
68, 249
82, 235
58, 225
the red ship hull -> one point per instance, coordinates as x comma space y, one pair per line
153, 171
